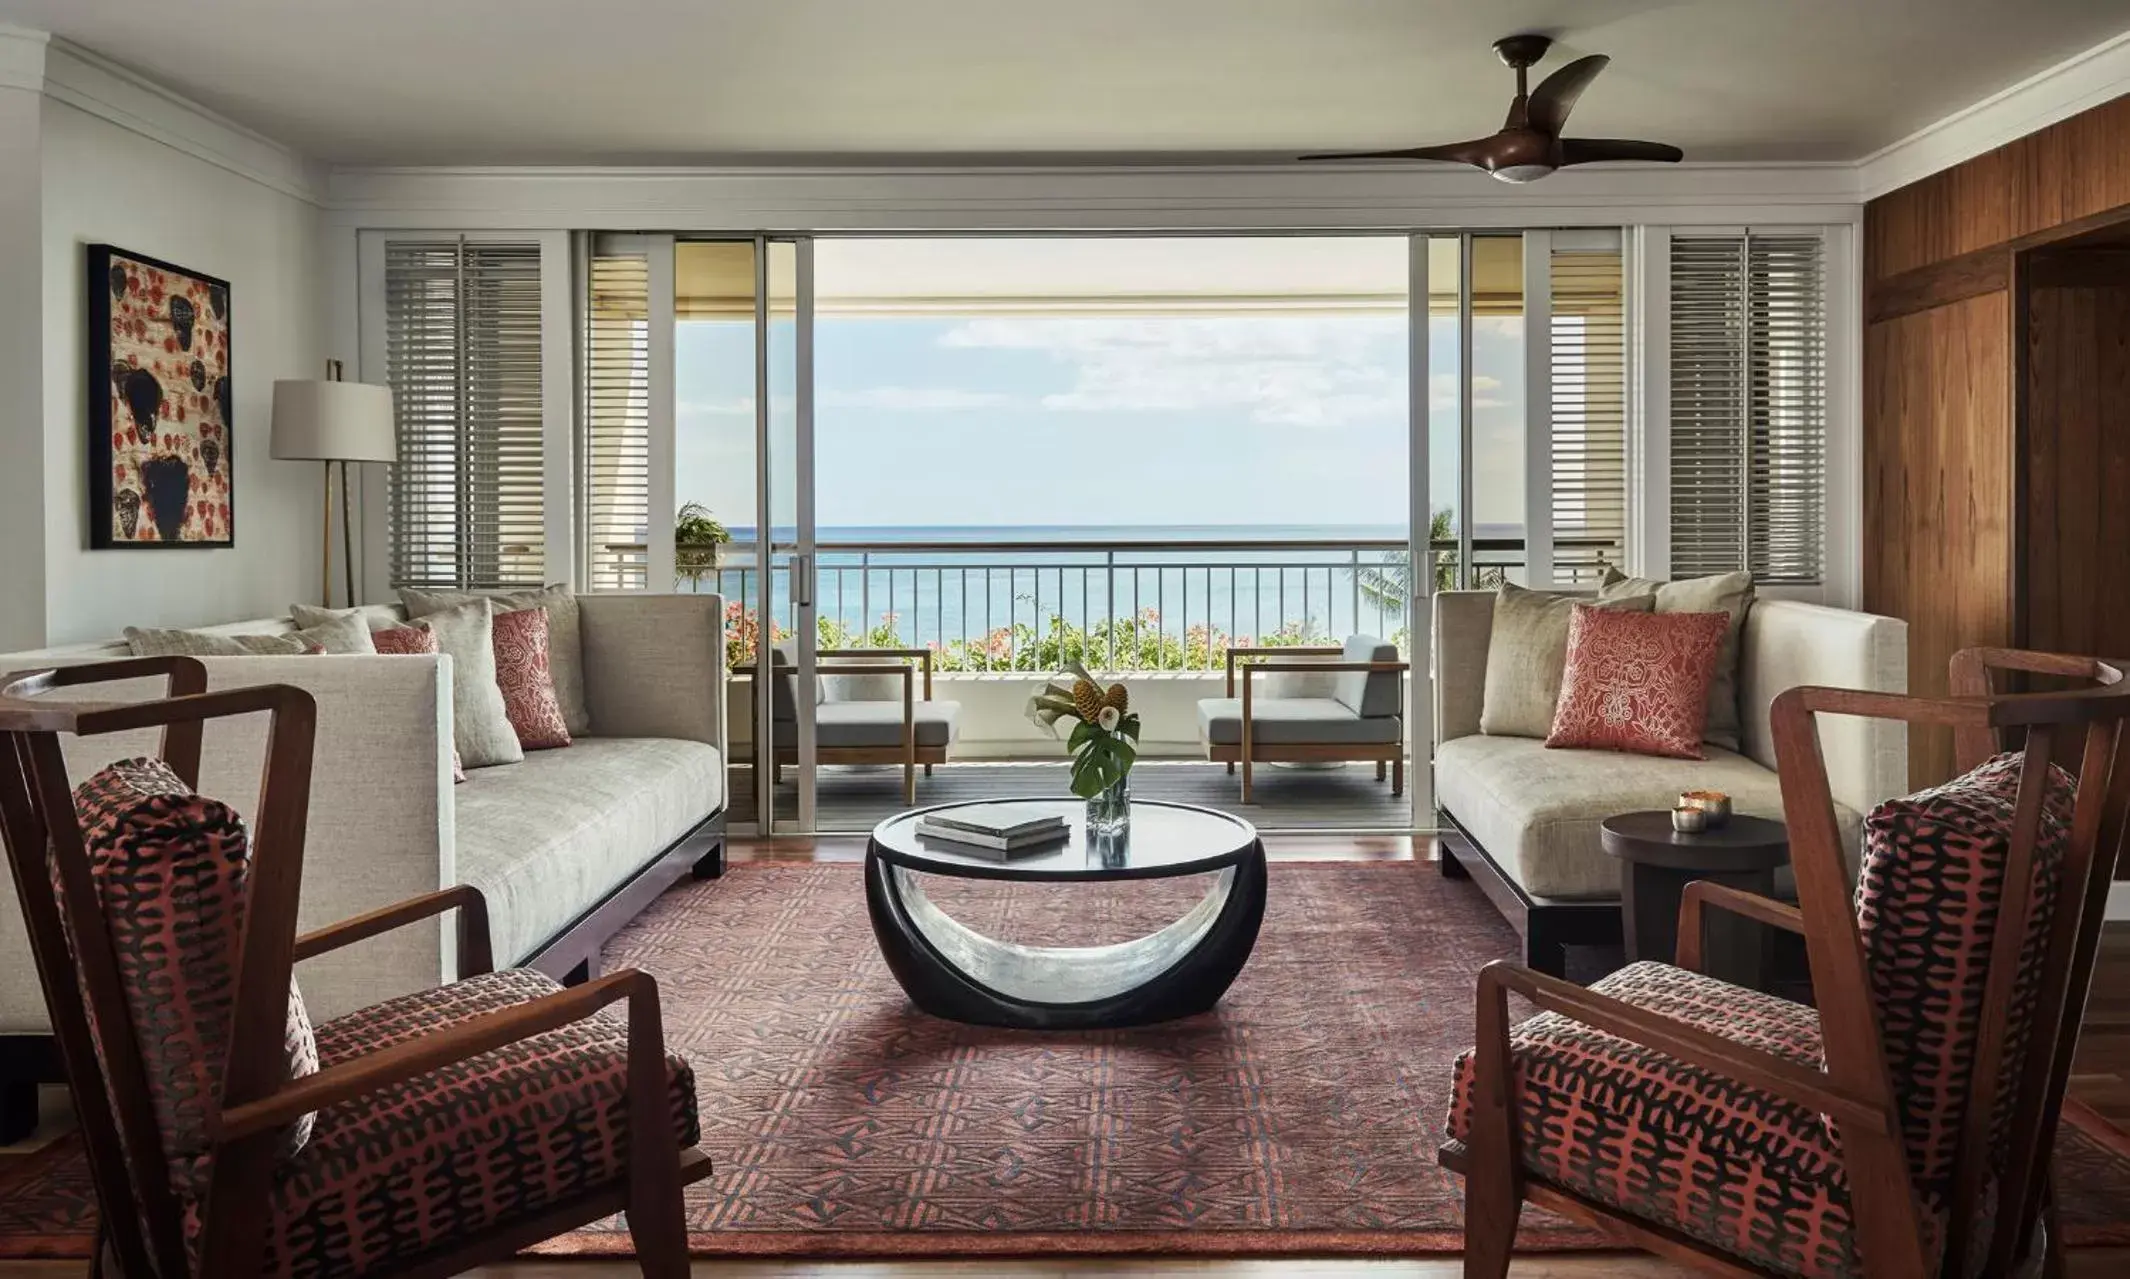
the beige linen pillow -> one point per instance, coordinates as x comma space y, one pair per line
1525, 657
565, 643
149, 641
342, 631
1730, 593
479, 722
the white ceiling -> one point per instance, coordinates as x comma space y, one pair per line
645, 81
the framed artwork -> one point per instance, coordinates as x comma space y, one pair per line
162, 451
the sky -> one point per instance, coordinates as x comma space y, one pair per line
1115, 418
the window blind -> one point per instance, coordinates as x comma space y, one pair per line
462, 354
616, 447
1749, 406
1589, 414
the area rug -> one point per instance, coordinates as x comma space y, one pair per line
1300, 1117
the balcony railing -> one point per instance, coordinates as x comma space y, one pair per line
1114, 605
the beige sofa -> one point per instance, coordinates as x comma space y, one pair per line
566, 846
1523, 820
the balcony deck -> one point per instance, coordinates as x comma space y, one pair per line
1288, 799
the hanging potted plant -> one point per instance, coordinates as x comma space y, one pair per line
1104, 742
698, 543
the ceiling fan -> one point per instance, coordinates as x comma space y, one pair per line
1530, 144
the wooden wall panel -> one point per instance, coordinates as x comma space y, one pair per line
2076, 508
1938, 489
2072, 170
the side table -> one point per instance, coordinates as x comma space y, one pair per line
1656, 865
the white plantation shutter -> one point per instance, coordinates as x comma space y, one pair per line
617, 420
1749, 406
462, 330
1588, 396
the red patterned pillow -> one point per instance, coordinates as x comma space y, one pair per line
1638, 682
403, 640
172, 871
528, 685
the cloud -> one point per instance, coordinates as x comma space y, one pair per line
1283, 370
1442, 392
913, 399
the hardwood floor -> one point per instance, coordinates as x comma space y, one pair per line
2101, 1080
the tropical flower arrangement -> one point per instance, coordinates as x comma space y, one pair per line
1105, 734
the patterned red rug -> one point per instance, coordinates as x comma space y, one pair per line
1300, 1117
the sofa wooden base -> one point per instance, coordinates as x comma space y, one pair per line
1546, 925
572, 955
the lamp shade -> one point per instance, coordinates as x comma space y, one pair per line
333, 422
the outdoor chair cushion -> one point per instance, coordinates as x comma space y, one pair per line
1293, 721
868, 725
545, 838
1368, 693
502, 1136
1536, 811
1685, 1148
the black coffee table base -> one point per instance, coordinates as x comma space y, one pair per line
952, 972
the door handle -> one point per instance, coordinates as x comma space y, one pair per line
802, 580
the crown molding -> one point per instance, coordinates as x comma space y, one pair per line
2076, 84
1110, 197
92, 83
22, 57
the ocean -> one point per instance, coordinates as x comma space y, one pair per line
949, 584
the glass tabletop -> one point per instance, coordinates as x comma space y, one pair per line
1164, 840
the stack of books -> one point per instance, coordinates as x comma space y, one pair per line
995, 830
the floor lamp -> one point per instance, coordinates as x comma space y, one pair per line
334, 421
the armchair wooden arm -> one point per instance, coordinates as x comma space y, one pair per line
485, 1033
1703, 893
475, 953
1812, 1089
1277, 650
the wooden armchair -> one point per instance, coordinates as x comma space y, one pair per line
868, 731
225, 1136
1905, 1128
1363, 720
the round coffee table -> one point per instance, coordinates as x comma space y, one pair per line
951, 971
1656, 865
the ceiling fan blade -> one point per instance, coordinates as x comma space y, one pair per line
1555, 96
1473, 152
1593, 150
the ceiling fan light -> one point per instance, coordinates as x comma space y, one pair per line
1521, 173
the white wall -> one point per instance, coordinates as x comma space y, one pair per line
21, 440
103, 183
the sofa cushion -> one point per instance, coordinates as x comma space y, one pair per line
1292, 721
1536, 811
1368, 693
863, 725
479, 723
1526, 653
547, 838
1637, 682
565, 633
526, 678
1727, 593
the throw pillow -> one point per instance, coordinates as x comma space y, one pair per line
1638, 682
375, 617
565, 643
522, 672
479, 724
1730, 593
148, 641
344, 633
171, 871
1525, 656
403, 640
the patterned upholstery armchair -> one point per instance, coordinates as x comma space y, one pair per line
1901, 1129
226, 1135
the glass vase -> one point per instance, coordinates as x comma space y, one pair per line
1109, 813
